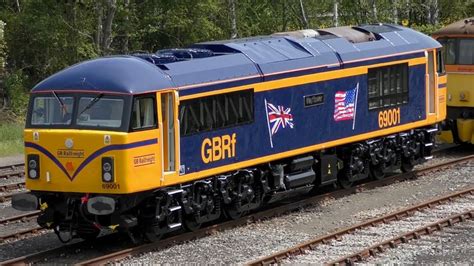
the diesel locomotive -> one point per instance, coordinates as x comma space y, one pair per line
150, 143
458, 44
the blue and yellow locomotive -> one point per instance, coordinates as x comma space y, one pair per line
149, 143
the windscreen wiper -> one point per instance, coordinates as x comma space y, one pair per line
91, 103
63, 106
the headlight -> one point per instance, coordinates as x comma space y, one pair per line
33, 166
107, 169
107, 177
33, 173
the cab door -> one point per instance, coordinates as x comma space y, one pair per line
169, 131
431, 84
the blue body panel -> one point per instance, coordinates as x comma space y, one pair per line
312, 125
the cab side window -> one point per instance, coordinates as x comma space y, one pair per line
440, 61
143, 113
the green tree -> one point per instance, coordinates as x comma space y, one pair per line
3, 48
43, 38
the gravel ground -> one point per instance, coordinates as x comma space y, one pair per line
11, 228
6, 210
11, 180
364, 238
12, 191
247, 243
451, 246
28, 244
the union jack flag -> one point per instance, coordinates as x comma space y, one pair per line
345, 104
277, 117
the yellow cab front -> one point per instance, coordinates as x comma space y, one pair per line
92, 143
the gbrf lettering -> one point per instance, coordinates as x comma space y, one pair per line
218, 148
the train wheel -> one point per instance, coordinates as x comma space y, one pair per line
344, 178
407, 166
156, 216
377, 172
234, 214
345, 183
150, 235
244, 194
191, 224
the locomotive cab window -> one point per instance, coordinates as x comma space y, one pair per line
388, 86
143, 113
100, 111
440, 61
215, 112
52, 110
78, 111
466, 51
458, 51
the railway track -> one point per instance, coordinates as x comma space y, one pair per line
326, 241
271, 211
8, 188
14, 170
21, 233
393, 242
10, 172
21, 217
12, 186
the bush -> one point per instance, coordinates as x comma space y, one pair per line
16, 87
427, 29
11, 139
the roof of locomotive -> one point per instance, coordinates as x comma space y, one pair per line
461, 27
119, 74
259, 58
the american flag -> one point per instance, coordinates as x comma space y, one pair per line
344, 104
279, 116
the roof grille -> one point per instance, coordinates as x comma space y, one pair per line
185, 53
167, 56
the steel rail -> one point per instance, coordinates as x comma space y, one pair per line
63, 249
403, 238
12, 173
397, 215
269, 212
12, 166
21, 233
12, 186
6, 197
20, 217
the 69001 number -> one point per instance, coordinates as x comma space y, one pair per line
388, 118
110, 186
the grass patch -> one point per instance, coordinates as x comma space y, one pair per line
11, 139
